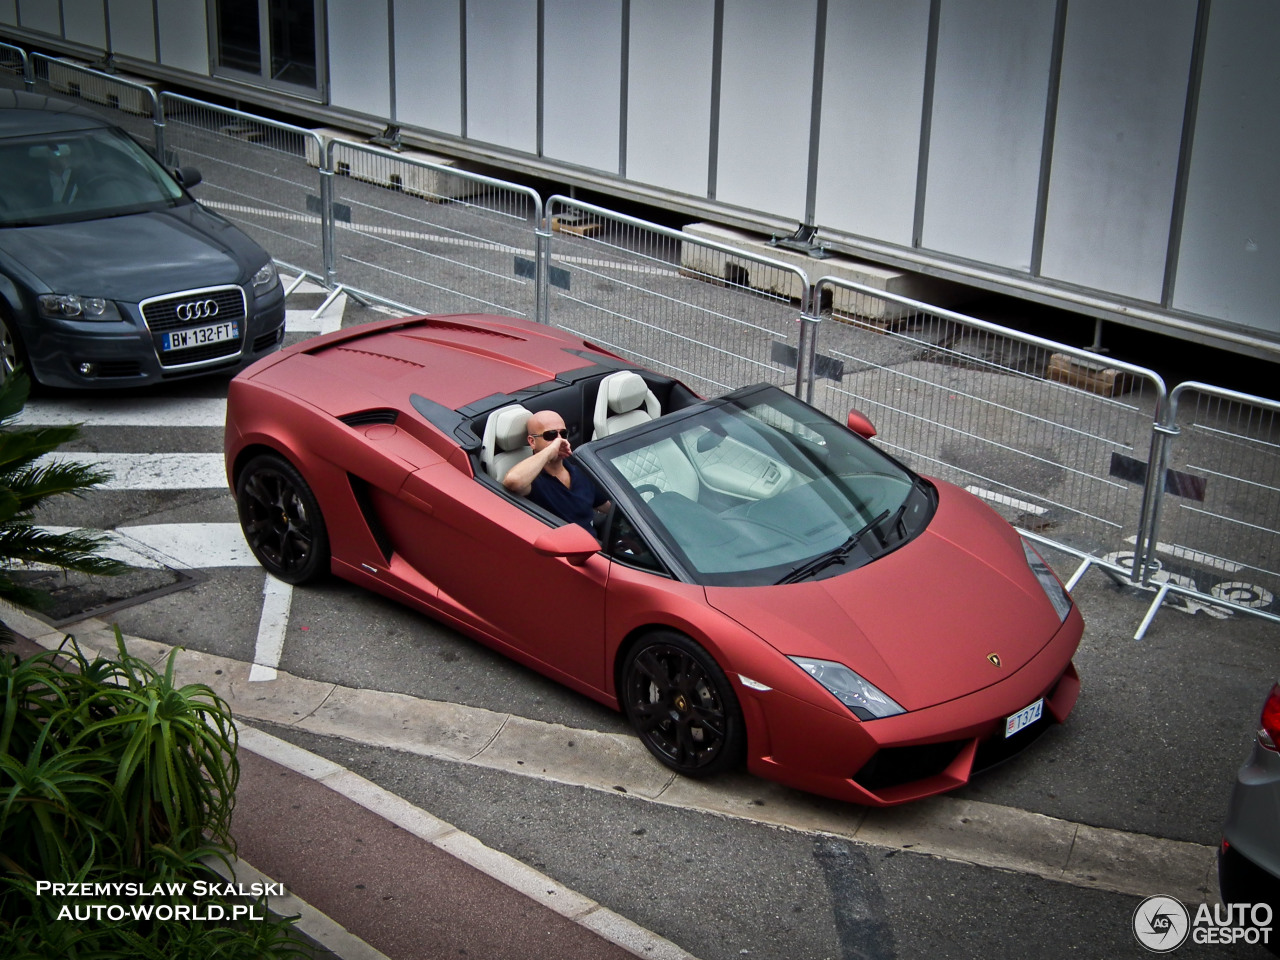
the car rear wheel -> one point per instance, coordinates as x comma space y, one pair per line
281, 520
680, 702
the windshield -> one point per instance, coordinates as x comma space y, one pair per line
758, 488
79, 175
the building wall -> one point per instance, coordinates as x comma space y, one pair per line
1116, 155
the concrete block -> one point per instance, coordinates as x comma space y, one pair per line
697, 260
1088, 375
407, 177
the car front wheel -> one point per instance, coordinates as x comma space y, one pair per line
281, 520
680, 702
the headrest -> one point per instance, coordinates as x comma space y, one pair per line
626, 392
511, 427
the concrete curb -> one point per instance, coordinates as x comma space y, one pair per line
984, 834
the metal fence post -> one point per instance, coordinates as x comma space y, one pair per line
327, 231
1144, 563
542, 257
807, 346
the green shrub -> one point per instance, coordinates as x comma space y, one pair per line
109, 772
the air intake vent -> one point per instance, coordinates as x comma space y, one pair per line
367, 418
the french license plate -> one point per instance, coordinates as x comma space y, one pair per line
213, 333
1024, 718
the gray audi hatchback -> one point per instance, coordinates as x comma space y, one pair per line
111, 275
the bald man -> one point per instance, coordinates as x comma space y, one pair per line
549, 479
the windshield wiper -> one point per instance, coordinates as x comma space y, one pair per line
836, 555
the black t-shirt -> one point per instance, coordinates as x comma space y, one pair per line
575, 503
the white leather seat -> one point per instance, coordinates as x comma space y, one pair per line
506, 440
660, 467
619, 402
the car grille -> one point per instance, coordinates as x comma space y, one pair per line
162, 316
894, 766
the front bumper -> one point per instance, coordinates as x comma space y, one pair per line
1249, 862
920, 753
80, 354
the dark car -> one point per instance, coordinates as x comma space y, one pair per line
764, 584
1249, 858
111, 275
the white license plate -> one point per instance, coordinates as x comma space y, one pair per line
181, 339
1024, 718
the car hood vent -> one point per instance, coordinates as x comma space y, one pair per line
367, 418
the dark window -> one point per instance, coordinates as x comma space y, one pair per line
275, 42
627, 545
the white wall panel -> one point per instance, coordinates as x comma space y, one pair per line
43, 16
502, 73
428, 64
1229, 265
184, 35
133, 28
581, 82
669, 93
872, 93
85, 21
987, 129
360, 83
766, 93
9, 13
1125, 69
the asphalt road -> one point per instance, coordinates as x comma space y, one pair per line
1150, 750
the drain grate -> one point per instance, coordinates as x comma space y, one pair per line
78, 596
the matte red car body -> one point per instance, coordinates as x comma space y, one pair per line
467, 556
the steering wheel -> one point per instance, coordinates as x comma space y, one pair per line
648, 488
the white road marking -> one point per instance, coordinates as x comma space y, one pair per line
317, 321
1193, 556
1000, 498
277, 596
125, 412
153, 471
190, 546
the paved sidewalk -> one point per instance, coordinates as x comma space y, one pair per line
375, 878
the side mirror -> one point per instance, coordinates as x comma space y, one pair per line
860, 425
187, 177
570, 541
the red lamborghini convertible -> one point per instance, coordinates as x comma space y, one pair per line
765, 584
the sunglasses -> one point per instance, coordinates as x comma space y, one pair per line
550, 435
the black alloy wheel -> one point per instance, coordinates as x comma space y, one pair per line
680, 702
281, 520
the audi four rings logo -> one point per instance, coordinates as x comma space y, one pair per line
197, 310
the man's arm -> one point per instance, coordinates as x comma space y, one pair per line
519, 479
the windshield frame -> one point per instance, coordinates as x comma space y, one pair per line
602, 456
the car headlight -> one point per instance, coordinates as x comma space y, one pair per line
69, 306
866, 700
1049, 581
265, 278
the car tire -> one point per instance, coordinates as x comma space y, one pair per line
281, 520
682, 705
13, 354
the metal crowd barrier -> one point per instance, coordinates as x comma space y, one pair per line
426, 234
709, 314
256, 174
134, 105
13, 61
1215, 532
1056, 439
1179, 493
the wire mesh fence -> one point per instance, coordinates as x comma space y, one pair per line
426, 235
712, 316
13, 66
132, 105
1217, 528
1056, 439
258, 173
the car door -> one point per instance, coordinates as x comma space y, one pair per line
484, 553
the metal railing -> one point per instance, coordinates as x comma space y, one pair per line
427, 234
704, 312
1055, 438
1179, 493
14, 63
